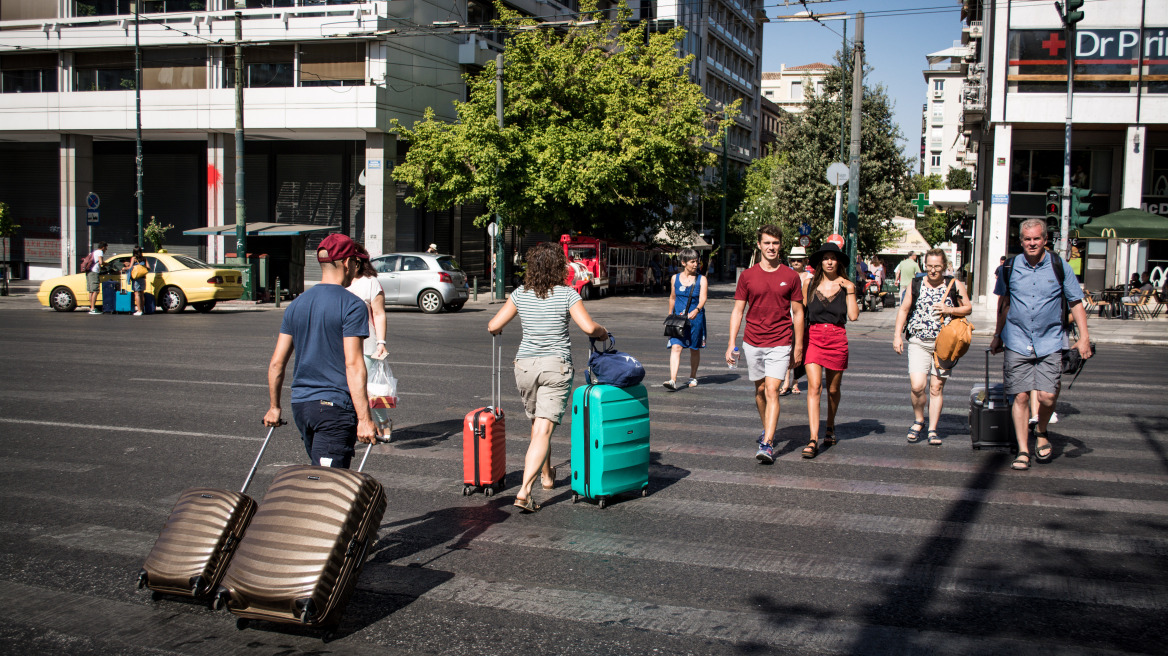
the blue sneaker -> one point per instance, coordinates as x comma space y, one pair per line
766, 453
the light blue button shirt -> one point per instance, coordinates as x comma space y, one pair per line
1034, 325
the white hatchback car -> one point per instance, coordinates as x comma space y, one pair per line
431, 282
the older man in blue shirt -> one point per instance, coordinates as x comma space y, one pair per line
1030, 330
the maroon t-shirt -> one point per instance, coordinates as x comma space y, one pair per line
768, 296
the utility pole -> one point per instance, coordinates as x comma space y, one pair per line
1069, 18
138, 125
500, 270
240, 189
843, 106
854, 179
725, 187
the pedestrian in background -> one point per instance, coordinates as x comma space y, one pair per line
773, 339
905, 272
831, 303
137, 286
878, 271
92, 276
368, 289
543, 363
930, 303
325, 326
687, 296
1031, 332
798, 263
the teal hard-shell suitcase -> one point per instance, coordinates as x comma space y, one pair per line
610, 441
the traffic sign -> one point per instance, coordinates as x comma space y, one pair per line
838, 173
492, 229
92, 217
805, 241
92, 201
805, 229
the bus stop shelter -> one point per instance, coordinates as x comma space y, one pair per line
275, 252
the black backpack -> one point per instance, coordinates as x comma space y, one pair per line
1060, 275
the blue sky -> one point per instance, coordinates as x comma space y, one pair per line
895, 46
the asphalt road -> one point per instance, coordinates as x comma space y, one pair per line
875, 547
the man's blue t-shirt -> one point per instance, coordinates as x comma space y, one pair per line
1034, 322
318, 321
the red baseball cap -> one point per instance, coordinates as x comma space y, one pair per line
337, 247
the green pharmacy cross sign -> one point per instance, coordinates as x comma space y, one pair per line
920, 203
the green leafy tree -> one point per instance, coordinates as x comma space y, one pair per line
958, 179
799, 190
155, 232
603, 131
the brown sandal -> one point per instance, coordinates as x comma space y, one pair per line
526, 505
811, 450
829, 436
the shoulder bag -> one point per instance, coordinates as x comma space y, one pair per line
677, 325
138, 271
609, 366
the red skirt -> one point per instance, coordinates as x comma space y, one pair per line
827, 346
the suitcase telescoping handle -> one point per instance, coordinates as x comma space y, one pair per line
376, 439
496, 401
987, 373
256, 464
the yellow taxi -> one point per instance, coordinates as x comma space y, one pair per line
175, 281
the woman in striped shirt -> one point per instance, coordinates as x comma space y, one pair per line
543, 363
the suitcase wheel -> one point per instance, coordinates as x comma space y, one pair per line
155, 596
241, 623
645, 491
142, 577
976, 447
466, 489
328, 636
575, 497
488, 491
602, 502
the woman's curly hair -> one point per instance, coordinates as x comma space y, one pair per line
547, 266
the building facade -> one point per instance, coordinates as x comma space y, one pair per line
944, 144
791, 88
1014, 105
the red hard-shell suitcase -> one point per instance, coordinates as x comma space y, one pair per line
484, 445
199, 537
301, 556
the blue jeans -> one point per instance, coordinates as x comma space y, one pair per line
329, 432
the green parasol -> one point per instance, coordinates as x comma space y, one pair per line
1128, 223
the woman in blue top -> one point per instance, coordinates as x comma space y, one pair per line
687, 296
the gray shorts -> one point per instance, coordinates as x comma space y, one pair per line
544, 384
1024, 373
766, 362
91, 282
920, 358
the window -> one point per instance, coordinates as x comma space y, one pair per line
111, 70
267, 66
386, 264
332, 65
174, 68
796, 91
935, 160
413, 263
155, 265
819, 87
28, 73
938, 85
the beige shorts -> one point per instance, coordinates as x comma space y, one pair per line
545, 385
920, 359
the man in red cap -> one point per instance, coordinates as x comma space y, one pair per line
327, 325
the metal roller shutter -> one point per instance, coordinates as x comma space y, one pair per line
30, 184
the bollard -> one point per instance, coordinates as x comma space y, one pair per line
277, 292
475, 293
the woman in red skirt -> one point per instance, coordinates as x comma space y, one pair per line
831, 303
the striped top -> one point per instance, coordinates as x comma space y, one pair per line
545, 322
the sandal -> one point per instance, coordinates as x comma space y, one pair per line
547, 486
914, 432
784, 391
795, 389
526, 505
670, 385
1019, 463
934, 439
829, 436
1038, 450
811, 450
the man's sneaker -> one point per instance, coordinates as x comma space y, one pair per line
138, 313
1053, 418
94, 312
766, 453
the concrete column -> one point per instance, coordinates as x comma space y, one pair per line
1133, 192
380, 193
998, 231
76, 171
220, 190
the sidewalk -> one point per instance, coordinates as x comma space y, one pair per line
22, 293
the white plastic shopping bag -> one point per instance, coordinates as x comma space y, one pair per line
381, 385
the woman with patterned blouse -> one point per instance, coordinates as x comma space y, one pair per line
929, 302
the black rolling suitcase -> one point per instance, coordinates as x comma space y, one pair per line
990, 421
305, 547
199, 537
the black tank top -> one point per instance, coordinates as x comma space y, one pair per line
832, 310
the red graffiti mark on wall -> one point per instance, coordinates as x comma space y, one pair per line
214, 177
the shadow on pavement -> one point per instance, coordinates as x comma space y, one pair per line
421, 436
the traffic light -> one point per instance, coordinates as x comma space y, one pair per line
1080, 206
1074, 12
1054, 209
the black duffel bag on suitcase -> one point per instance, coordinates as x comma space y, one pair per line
991, 423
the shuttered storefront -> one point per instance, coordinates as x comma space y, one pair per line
30, 185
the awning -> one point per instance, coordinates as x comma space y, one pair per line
693, 240
911, 241
261, 229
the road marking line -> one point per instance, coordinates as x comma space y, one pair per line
125, 429
229, 384
10, 465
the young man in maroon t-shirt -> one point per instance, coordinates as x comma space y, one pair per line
773, 341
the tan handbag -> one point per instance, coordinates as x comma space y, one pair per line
138, 272
953, 340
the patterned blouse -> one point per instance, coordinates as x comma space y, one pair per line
923, 323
